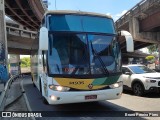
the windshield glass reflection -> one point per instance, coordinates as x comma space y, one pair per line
83, 54
105, 54
141, 69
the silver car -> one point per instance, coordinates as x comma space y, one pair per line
140, 79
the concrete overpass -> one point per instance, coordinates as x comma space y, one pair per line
28, 13
143, 22
19, 41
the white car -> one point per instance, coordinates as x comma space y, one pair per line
140, 78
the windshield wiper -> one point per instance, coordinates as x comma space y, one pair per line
100, 60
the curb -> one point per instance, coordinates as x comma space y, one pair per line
14, 99
4, 93
26, 99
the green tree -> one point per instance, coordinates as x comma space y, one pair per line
25, 62
152, 48
149, 58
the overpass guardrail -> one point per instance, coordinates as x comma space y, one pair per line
4, 93
136, 10
21, 32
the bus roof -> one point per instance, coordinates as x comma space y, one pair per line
76, 12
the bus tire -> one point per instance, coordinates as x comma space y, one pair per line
45, 101
40, 86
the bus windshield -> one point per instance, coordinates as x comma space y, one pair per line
81, 54
81, 23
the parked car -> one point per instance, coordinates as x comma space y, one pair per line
140, 79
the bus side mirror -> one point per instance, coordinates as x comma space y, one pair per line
43, 38
129, 40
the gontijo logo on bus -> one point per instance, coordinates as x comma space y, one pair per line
87, 84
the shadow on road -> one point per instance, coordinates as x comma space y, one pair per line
147, 95
152, 95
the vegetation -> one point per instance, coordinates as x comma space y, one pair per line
149, 58
152, 48
25, 62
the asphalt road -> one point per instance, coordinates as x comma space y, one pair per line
94, 110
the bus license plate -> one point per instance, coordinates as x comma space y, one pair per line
88, 97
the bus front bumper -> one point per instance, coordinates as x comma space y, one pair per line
56, 97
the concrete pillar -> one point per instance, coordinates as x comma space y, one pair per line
3, 38
3, 46
130, 60
134, 27
15, 64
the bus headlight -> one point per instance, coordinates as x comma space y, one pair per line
59, 88
116, 85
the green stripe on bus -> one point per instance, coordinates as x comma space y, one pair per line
106, 81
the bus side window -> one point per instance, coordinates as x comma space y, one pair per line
44, 61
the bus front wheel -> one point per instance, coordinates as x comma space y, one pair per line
43, 98
45, 101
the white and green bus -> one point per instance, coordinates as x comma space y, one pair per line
77, 57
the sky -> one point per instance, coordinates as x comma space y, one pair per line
115, 8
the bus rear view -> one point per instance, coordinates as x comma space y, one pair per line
79, 58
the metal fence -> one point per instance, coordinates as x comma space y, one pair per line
4, 93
